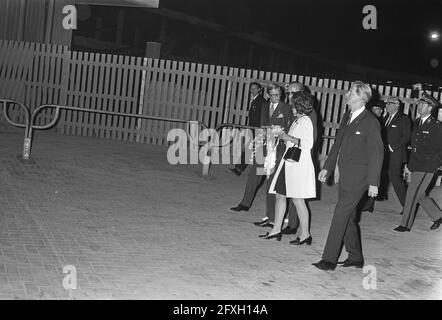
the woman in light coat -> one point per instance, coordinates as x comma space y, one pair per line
295, 180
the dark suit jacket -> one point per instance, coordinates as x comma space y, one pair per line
426, 146
282, 116
255, 111
361, 152
397, 134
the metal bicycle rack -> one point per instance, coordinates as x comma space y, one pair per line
30, 118
30, 126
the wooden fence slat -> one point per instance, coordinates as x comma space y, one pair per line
166, 107
196, 97
127, 103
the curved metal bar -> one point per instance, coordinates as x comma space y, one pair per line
234, 125
15, 124
50, 124
30, 119
142, 116
111, 113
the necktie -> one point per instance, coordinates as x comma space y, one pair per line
349, 118
388, 121
272, 108
422, 122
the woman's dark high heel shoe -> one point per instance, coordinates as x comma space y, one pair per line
298, 241
266, 236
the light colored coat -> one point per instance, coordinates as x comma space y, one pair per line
300, 178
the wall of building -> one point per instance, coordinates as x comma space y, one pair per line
34, 21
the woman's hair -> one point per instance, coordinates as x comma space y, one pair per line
302, 102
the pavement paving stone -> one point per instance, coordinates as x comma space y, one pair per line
136, 227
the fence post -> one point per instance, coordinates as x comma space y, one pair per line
141, 103
228, 97
64, 85
27, 148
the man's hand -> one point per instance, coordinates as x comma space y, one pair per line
322, 176
372, 191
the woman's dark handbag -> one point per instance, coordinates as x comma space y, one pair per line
293, 154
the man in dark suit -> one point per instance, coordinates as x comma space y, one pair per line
367, 203
378, 109
397, 136
273, 112
254, 120
360, 149
425, 159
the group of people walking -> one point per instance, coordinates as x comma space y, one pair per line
368, 150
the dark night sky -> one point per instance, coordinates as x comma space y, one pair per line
333, 28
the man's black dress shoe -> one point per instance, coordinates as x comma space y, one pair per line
401, 229
235, 171
325, 265
350, 263
240, 207
436, 224
289, 230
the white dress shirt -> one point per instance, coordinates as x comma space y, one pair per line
423, 119
356, 113
390, 118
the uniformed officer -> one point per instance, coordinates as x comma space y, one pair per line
425, 159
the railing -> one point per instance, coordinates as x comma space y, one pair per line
30, 119
30, 125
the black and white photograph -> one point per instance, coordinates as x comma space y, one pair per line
232, 152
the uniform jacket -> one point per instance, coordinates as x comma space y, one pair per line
426, 146
255, 111
361, 152
397, 134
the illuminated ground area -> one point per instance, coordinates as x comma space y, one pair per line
135, 227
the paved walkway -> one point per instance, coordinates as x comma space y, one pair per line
136, 227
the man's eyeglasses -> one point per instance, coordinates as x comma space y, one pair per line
274, 94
